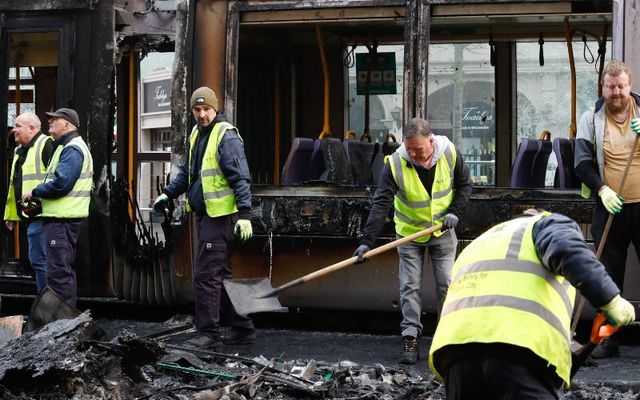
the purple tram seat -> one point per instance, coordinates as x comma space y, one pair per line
565, 175
389, 148
530, 166
359, 156
377, 161
297, 167
330, 160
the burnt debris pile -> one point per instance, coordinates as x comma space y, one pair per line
210, 375
67, 359
71, 359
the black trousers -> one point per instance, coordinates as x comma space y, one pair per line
500, 378
212, 266
624, 230
61, 239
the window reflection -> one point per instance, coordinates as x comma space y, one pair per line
461, 103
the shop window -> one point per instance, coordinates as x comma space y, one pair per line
155, 134
461, 103
544, 92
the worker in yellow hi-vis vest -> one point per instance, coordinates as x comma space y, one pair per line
427, 181
504, 331
215, 176
30, 160
66, 195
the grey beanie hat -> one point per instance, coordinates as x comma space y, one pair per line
204, 96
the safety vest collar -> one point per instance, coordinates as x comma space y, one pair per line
397, 161
38, 171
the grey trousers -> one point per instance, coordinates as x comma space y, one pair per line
442, 251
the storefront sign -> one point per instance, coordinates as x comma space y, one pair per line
157, 96
477, 118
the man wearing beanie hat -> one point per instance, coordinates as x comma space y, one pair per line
215, 177
65, 194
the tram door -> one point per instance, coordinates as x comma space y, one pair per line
32, 79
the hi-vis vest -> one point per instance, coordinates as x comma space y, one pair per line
501, 293
74, 204
414, 209
218, 195
33, 171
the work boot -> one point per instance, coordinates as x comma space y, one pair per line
238, 336
610, 347
204, 342
410, 353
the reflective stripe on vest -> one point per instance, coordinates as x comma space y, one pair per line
74, 204
414, 209
218, 195
502, 293
33, 172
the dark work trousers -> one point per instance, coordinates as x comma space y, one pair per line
61, 238
212, 267
624, 230
500, 378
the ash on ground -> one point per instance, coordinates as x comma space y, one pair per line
71, 359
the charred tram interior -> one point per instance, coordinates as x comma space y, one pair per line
319, 92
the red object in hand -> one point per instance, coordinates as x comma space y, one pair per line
601, 329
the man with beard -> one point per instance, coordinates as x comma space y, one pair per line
603, 145
215, 177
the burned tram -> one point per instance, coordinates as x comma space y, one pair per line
319, 91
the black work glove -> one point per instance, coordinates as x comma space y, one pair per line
363, 248
450, 221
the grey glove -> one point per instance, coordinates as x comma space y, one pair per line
363, 248
450, 221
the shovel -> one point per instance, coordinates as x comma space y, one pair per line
250, 296
48, 307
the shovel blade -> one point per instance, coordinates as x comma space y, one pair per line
47, 307
246, 296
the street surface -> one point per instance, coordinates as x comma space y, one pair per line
615, 378
359, 364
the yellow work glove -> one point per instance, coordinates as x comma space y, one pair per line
619, 312
160, 204
635, 125
243, 229
610, 199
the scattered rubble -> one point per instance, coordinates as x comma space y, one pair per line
70, 359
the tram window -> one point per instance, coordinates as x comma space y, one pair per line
155, 113
22, 99
461, 105
151, 176
385, 100
31, 86
544, 92
154, 138
32, 74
